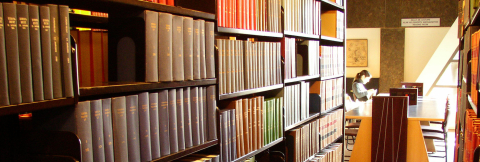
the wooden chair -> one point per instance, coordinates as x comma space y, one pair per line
437, 133
352, 133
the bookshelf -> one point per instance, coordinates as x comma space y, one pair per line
61, 111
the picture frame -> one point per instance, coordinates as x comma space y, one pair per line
357, 53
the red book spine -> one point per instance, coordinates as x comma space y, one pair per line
239, 14
254, 15
224, 13
227, 13
171, 2
219, 13
230, 12
162, 2
234, 13
247, 14
92, 71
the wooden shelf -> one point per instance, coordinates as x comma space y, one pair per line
38, 105
330, 40
243, 32
330, 110
334, 141
329, 5
474, 107
253, 153
300, 35
78, 20
115, 88
249, 91
312, 116
186, 152
331, 77
301, 78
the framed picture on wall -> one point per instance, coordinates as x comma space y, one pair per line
357, 52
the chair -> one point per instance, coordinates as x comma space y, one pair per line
437, 133
350, 133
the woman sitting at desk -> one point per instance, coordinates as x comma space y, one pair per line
358, 86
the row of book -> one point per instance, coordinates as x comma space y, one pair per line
176, 48
146, 126
332, 153
165, 2
246, 65
332, 61
249, 124
201, 158
88, 12
92, 57
297, 101
300, 59
331, 92
302, 16
303, 142
260, 15
331, 127
35, 54
475, 38
333, 24
472, 138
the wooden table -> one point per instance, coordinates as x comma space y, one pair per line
427, 109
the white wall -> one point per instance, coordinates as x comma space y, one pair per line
373, 36
420, 44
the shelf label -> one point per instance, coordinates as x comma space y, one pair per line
421, 22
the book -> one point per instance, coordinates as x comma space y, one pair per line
211, 113
172, 120
46, 52
55, 49
154, 125
133, 129
201, 115
144, 126
165, 47
196, 49
84, 129
36, 52
119, 118
209, 49
12, 53
205, 115
188, 48
96, 113
163, 115
203, 66
4, 94
64, 29
107, 129
24, 53
151, 45
180, 121
177, 49
187, 117
194, 102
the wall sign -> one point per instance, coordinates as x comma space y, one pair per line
421, 22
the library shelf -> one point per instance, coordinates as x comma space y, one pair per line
301, 78
329, 5
253, 153
330, 110
329, 40
300, 35
115, 88
334, 141
330, 77
79, 20
474, 107
249, 91
311, 117
243, 32
37, 105
187, 151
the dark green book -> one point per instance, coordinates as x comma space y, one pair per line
4, 96
119, 110
24, 53
55, 55
46, 42
64, 26
84, 129
13, 58
36, 51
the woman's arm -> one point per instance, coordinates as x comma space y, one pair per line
359, 90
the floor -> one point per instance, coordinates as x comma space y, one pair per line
439, 144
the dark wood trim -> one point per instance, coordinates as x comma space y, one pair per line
329, 40
186, 152
249, 91
38, 105
329, 5
331, 77
331, 110
243, 32
301, 78
253, 153
300, 35
78, 20
310, 118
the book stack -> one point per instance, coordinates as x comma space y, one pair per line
146, 126
472, 135
260, 15
297, 99
303, 142
331, 93
163, 48
332, 153
301, 59
332, 61
34, 64
248, 125
333, 24
201, 157
92, 56
474, 63
247, 65
302, 16
165, 2
330, 127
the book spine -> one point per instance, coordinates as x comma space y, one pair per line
97, 130
211, 113
200, 115
209, 49
151, 46
180, 123
84, 129
172, 120
36, 52
164, 131
187, 118
204, 115
107, 129
11, 44
196, 50
165, 47
195, 116
203, 66
144, 127
24, 53
4, 95
188, 47
154, 131
177, 49
233, 136
55, 55
171, 2
162, 2
223, 146
120, 129
46, 52
64, 22
133, 128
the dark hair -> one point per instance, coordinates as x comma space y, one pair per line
362, 73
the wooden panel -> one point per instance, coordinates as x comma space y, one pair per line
412, 94
389, 129
419, 86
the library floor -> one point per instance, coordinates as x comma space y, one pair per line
439, 144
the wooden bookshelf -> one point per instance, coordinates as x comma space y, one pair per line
301, 78
330, 110
334, 141
243, 32
329, 40
310, 118
186, 152
34, 106
474, 107
329, 5
78, 20
250, 91
253, 153
331, 77
301, 35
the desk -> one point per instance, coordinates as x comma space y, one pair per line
427, 109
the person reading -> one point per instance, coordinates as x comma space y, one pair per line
359, 91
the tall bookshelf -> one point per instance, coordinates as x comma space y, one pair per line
56, 118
